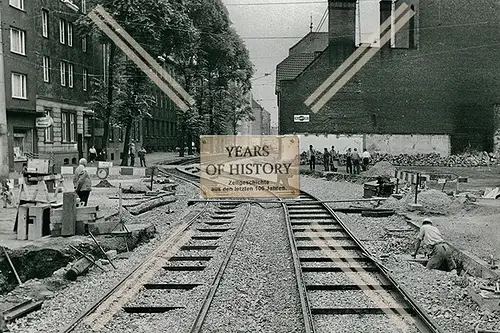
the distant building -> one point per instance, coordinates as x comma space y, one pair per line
261, 125
432, 86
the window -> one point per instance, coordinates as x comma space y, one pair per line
45, 23
19, 4
19, 86
105, 62
85, 79
68, 126
70, 34
49, 131
70, 75
111, 133
17, 41
46, 68
84, 6
84, 43
62, 31
63, 73
405, 37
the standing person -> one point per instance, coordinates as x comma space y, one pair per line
92, 154
82, 181
356, 161
326, 160
366, 159
348, 161
131, 152
333, 158
311, 157
142, 156
440, 255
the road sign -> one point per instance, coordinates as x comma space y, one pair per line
300, 118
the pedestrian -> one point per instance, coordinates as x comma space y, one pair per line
311, 157
366, 159
131, 152
142, 156
439, 252
82, 181
356, 161
348, 161
326, 160
333, 159
92, 154
6, 194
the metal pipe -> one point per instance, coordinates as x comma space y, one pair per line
10, 262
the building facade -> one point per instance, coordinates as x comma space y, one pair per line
19, 57
433, 78
261, 125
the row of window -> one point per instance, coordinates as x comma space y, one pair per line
19, 81
68, 127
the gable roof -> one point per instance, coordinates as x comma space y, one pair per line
301, 55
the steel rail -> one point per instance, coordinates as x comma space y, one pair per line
304, 301
425, 323
202, 314
171, 240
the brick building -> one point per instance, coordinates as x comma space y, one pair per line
436, 79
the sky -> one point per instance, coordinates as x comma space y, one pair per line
268, 31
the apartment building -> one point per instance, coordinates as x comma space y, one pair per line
261, 125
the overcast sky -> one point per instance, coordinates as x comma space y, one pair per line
269, 30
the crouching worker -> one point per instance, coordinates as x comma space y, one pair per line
440, 255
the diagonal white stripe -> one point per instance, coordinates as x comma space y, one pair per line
137, 60
352, 58
366, 57
146, 55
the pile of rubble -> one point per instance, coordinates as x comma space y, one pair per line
434, 159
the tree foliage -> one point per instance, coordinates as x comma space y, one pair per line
211, 61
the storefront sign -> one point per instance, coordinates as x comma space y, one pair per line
249, 166
44, 122
301, 118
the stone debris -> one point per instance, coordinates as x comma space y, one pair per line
104, 183
434, 159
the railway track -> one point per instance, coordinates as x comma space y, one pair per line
199, 235
340, 286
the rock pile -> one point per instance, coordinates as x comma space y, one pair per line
382, 168
433, 201
434, 159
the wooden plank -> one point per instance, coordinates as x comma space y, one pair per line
69, 214
88, 209
101, 228
22, 222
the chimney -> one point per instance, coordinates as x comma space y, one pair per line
342, 21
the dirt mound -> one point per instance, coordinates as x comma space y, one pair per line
382, 168
104, 183
393, 203
432, 201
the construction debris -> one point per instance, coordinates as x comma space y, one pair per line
104, 183
434, 159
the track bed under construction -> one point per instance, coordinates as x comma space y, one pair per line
342, 288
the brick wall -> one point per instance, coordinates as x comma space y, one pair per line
448, 85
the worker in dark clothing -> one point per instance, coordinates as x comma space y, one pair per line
326, 160
311, 157
348, 161
356, 161
439, 252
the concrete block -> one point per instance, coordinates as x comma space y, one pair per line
127, 171
67, 171
139, 171
115, 171
415, 207
92, 170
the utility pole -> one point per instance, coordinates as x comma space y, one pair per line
4, 144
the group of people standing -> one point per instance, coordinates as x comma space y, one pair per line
131, 154
354, 161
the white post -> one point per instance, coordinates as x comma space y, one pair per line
4, 144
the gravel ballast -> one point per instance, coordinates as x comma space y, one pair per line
441, 294
258, 290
